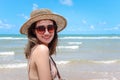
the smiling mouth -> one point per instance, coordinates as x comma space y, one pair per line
46, 38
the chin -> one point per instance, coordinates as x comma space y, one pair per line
47, 42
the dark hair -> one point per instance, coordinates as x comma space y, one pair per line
33, 40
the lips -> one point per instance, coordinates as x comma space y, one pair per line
47, 38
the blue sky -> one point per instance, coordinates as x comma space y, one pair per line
83, 16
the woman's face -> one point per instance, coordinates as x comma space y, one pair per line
45, 30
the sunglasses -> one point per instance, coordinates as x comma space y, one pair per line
42, 29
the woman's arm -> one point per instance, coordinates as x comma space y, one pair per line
41, 58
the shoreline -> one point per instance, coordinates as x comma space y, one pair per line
73, 71
13, 74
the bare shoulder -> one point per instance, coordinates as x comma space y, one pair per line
40, 58
40, 51
42, 47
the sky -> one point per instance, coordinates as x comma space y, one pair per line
83, 16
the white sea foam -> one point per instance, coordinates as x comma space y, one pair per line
69, 37
100, 37
62, 62
110, 78
88, 61
7, 53
15, 65
77, 43
68, 47
105, 79
106, 62
11, 38
23, 65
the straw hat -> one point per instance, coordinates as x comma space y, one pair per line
41, 14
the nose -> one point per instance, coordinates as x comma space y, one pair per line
46, 32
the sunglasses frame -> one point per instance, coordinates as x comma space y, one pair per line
42, 29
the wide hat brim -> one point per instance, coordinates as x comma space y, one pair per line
60, 21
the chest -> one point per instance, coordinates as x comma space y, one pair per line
33, 72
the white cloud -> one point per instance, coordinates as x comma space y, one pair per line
108, 29
113, 28
24, 16
66, 2
35, 6
92, 27
116, 28
5, 25
84, 21
102, 23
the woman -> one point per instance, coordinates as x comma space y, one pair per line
41, 30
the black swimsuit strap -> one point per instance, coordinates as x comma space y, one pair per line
58, 74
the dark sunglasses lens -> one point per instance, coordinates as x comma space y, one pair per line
40, 29
51, 28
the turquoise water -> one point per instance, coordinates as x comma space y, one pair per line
71, 48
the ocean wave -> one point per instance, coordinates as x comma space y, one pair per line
76, 43
14, 65
101, 37
7, 53
12, 38
62, 62
106, 62
68, 47
88, 62
69, 37
95, 61
23, 65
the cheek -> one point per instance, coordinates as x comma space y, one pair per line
53, 35
37, 35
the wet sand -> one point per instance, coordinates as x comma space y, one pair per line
13, 74
68, 72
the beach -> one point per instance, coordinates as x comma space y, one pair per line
70, 72
13, 74
79, 57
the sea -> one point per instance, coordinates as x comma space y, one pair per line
95, 54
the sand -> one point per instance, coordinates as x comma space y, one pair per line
68, 72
